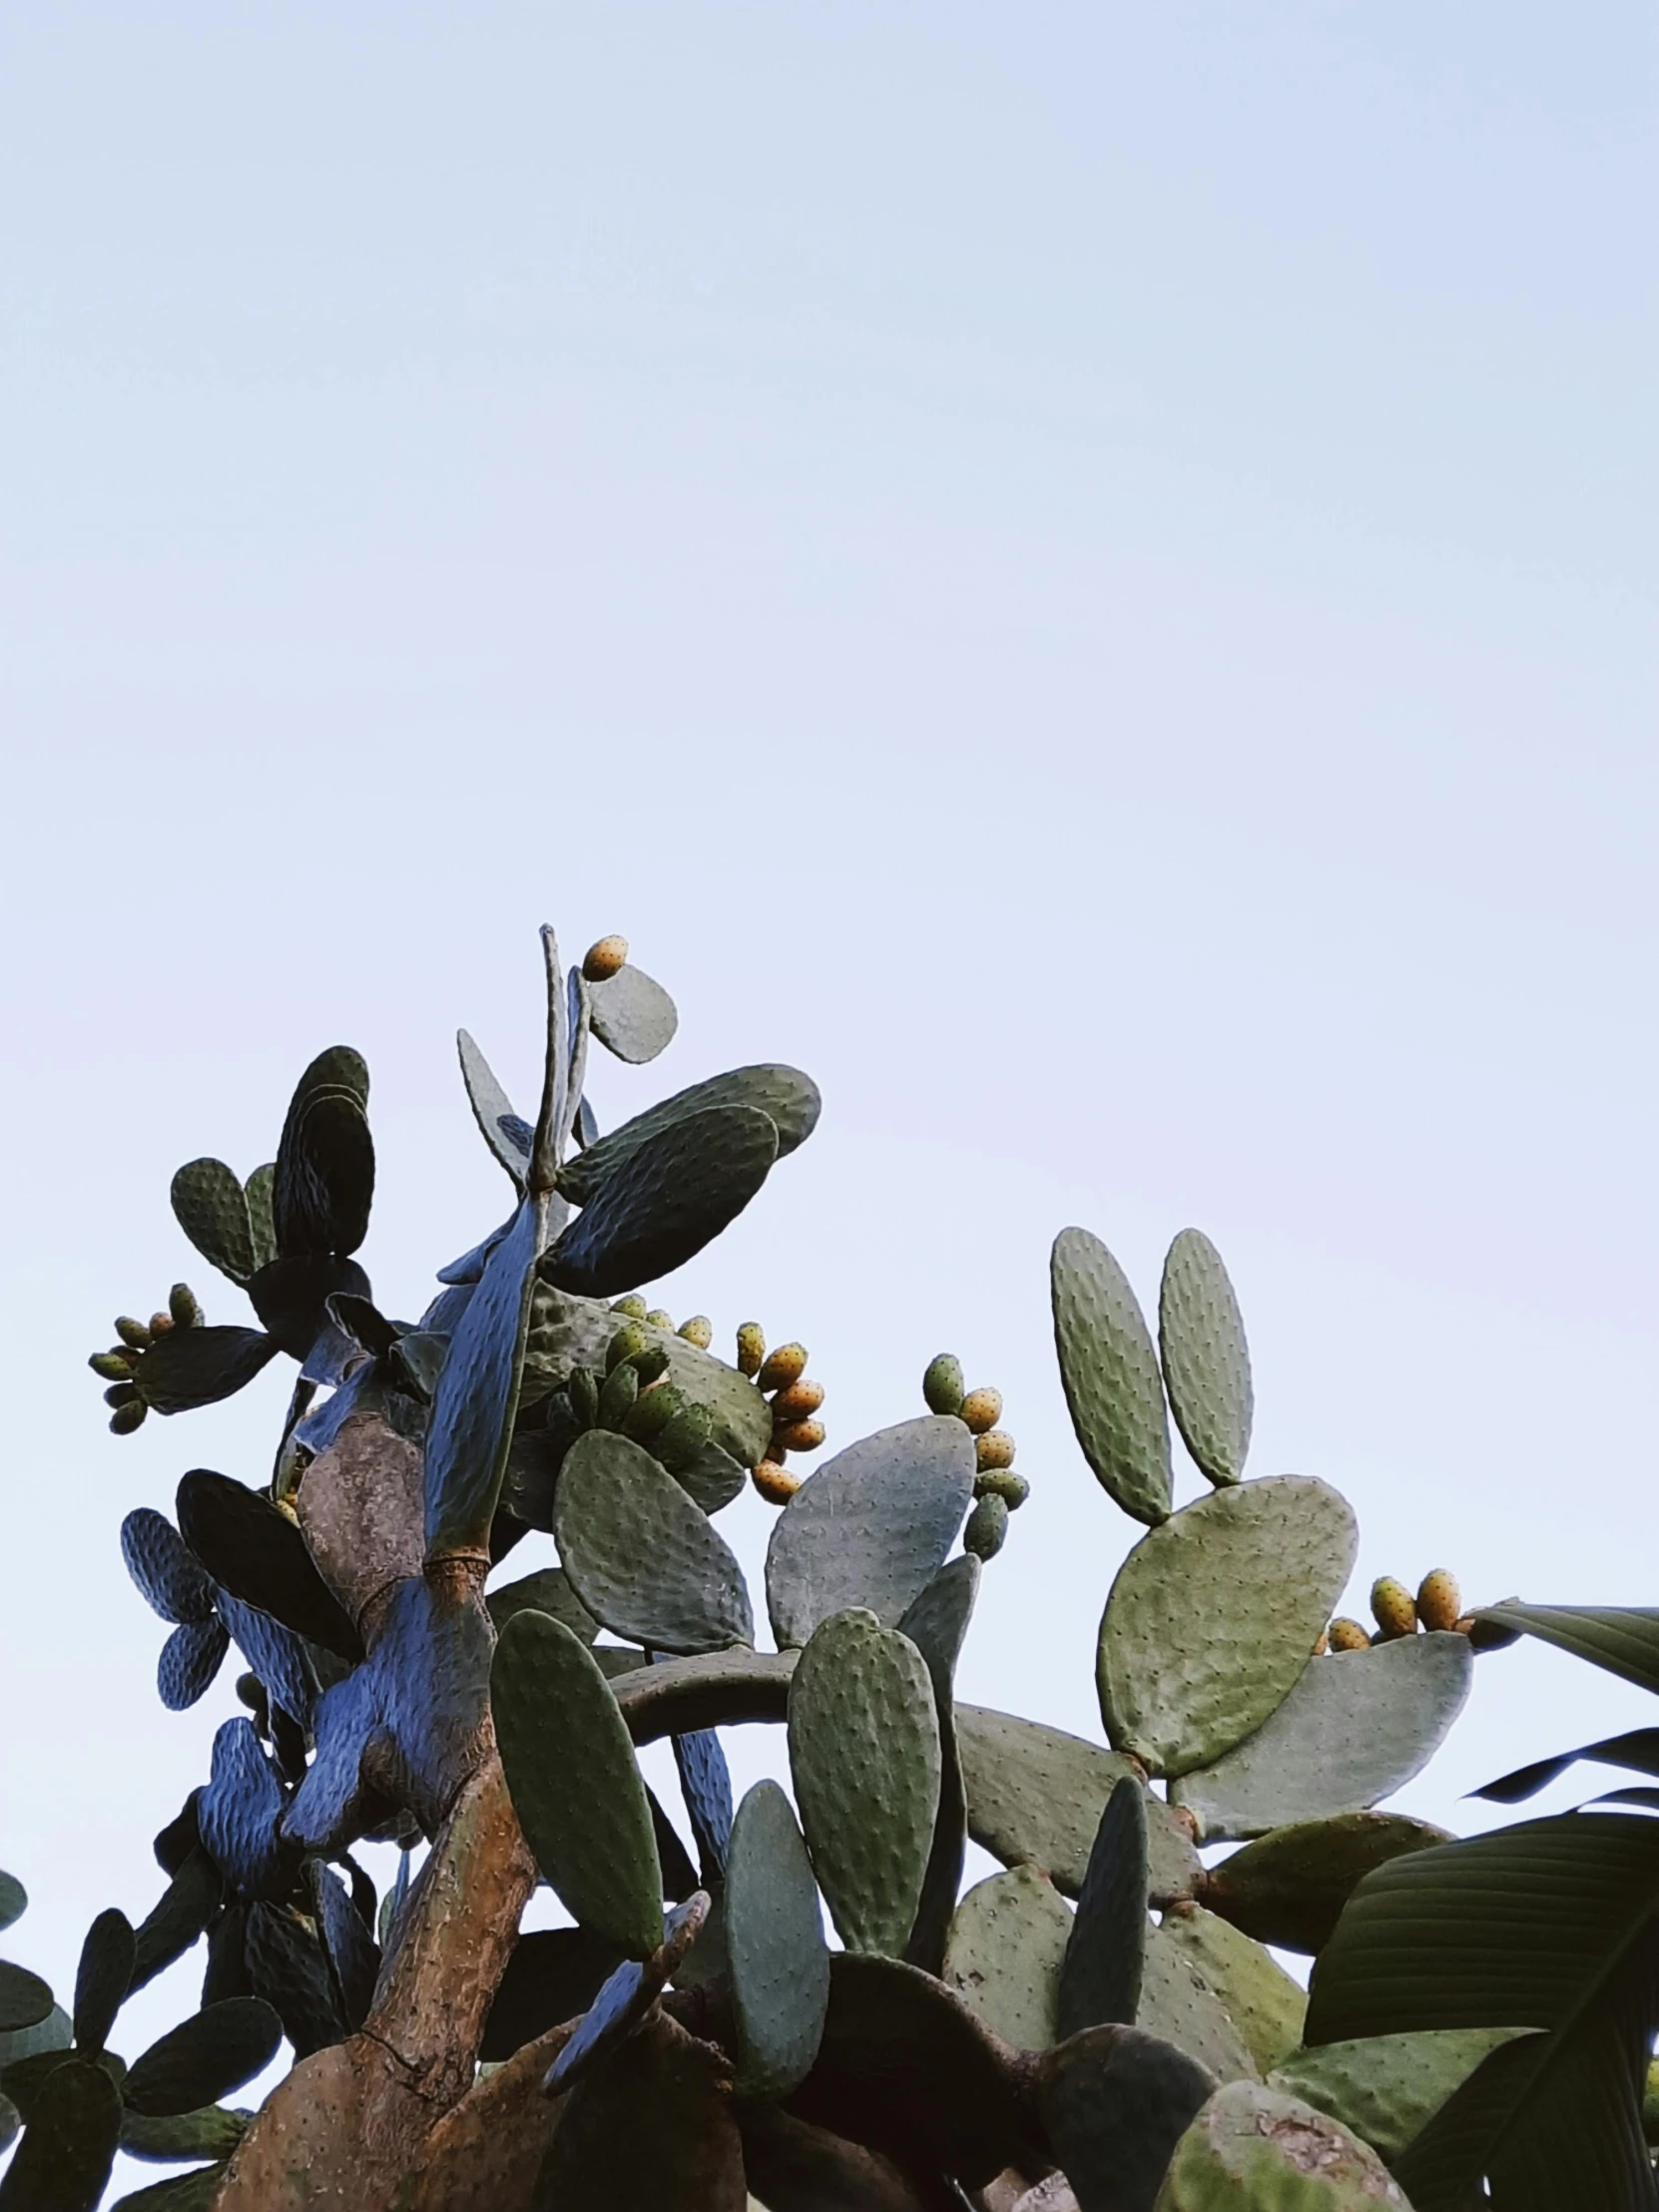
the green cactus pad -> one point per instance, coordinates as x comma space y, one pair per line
548, 1590
1003, 1953
211, 1207
654, 2127
494, 1111
776, 1958
661, 1204
865, 1756
1388, 2087
204, 2059
213, 2131
261, 1222
567, 1332
641, 1556
1178, 2003
1110, 1371
1100, 1981
1114, 2101
1261, 2000
25, 2000
575, 1784
1205, 1361
68, 2147
14, 1898
1214, 1616
471, 1426
786, 1096
1355, 1728
107, 1959
190, 2192
1289, 1888
198, 1366
633, 1016
1035, 1795
936, 1623
1254, 2149
870, 1528
253, 1549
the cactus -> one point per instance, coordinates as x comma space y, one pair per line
1095, 2023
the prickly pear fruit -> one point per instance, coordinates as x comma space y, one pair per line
981, 1409
775, 1483
615, 1399
127, 1418
650, 1366
1391, 1609
942, 1384
632, 1338
995, 1449
1348, 1635
799, 1401
1321, 1643
633, 1304
113, 1367
583, 1391
684, 1437
699, 1330
799, 1435
182, 1307
751, 1348
161, 1325
601, 962
652, 1411
987, 1527
121, 1393
1439, 1603
782, 1368
1253, 2149
134, 1333
1002, 1483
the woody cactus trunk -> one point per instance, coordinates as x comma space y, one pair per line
1102, 2024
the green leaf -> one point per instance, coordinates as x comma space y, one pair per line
1259, 1997
865, 1755
24, 1998
641, 1556
204, 2059
870, 1528
1035, 1795
633, 1016
494, 1111
1255, 2149
664, 1202
101, 1982
211, 1207
1623, 1639
776, 1957
1637, 1750
1250, 1575
575, 1784
1386, 2088
1100, 1981
1289, 1888
471, 1426
1004, 1951
1110, 1374
1355, 1726
1114, 2103
1205, 1361
253, 1549
68, 2147
787, 1098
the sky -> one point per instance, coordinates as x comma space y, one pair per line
1083, 573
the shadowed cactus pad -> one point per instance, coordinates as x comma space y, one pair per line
1254, 2149
1205, 1357
1214, 1615
1004, 1952
865, 1755
1113, 1385
1100, 1978
1388, 2088
1178, 2003
1114, 2103
1259, 1997
776, 1957
1290, 1886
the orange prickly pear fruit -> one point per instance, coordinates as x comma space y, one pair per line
1323, 1645
995, 1449
1348, 1635
799, 1400
799, 1435
751, 1348
981, 1409
601, 962
1393, 1609
782, 1368
699, 1330
775, 1484
161, 1325
1439, 1604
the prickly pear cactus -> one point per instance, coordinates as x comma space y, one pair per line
1089, 2027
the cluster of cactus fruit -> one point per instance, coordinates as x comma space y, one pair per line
1102, 2025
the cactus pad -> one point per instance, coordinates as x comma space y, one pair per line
1289, 1888
1178, 2003
204, 2059
1386, 2088
787, 1098
472, 1426
640, 1555
1003, 1953
1110, 1371
776, 1957
1205, 1357
210, 1208
633, 1016
1100, 1981
1250, 1575
1114, 2103
1253, 2149
1263, 2002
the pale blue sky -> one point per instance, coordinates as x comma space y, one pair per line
1084, 572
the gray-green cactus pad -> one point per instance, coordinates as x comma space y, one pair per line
1110, 1372
567, 1332
1114, 2103
548, 1590
872, 1528
1214, 1616
1254, 2149
1260, 1998
14, 1898
633, 1016
1290, 1886
1100, 1981
471, 1426
786, 1096
575, 1784
211, 1207
1206, 1359
1178, 2003
1035, 1795
936, 1623
68, 2147
644, 1560
1355, 1726
1003, 1953
865, 1756
1388, 2087
492, 1109
776, 1957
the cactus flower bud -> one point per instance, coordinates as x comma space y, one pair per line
1391, 1609
1439, 1604
650, 1366
795, 1404
751, 1348
981, 1409
699, 1330
995, 1449
1348, 1635
799, 1435
775, 1483
782, 1368
601, 962
942, 1384
987, 1529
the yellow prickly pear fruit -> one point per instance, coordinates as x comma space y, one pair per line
799, 1435
1003, 1482
782, 1368
127, 1418
660, 1317
751, 1348
775, 1483
799, 1400
699, 1330
995, 1449
1439, 1602
633, 1305
943, 1385
1393, 1609
113, 1367
981, 1409
601, 962
134, 1333
632, 1338
181, 1304
1348, 1635
1323, 1645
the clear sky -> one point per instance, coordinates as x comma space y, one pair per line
1083, 572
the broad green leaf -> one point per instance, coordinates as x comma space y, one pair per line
1110, 1372
1622, 1639
1205, 1357
1637, 1750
